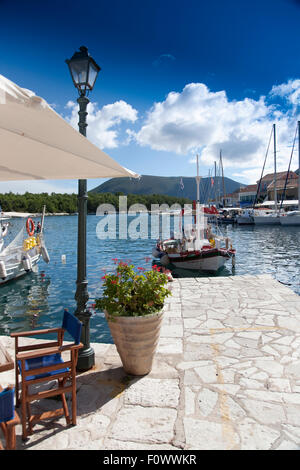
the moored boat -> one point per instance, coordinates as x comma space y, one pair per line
245, 218
23, 253
293, 217
290, 218
195, 247
209, 255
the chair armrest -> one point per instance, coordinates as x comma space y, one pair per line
70, 347
38, 353
35, 332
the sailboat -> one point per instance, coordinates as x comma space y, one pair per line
293, 217
23, 253
196, 248
261, 218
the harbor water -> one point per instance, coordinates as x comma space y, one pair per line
37, 300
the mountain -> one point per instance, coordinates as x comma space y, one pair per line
169, 185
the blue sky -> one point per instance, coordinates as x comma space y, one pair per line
177, 79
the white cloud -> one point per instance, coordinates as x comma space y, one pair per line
203, 121
104, 124
290, 91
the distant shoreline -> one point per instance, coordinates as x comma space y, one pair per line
51, 214
33, 214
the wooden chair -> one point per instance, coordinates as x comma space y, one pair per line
37, 363
8, 417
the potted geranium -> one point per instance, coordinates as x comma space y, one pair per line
132, 302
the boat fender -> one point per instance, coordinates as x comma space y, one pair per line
155, 252
3, 272
30, 226
27, 264
165, 259
45, 254
4, 231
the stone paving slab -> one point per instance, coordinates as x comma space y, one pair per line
226, 376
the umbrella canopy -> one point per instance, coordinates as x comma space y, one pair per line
38, 144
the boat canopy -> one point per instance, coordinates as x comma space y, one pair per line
287, 202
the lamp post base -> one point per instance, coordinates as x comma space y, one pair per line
86, 360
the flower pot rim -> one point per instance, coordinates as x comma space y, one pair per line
134, 317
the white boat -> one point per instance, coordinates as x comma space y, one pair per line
245, 218
191, 249
290, 218
23, 253
293, 217
266, 218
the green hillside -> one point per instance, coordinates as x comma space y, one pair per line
168, 185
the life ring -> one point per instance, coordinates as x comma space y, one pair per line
30, 227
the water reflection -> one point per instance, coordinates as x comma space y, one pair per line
24, 301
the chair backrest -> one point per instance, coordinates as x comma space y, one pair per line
7, 409
72, 325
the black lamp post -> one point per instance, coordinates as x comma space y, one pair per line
84, 71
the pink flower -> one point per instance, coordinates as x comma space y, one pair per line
141, 269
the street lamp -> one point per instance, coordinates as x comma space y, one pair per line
84, 71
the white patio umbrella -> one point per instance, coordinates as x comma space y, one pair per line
37, 144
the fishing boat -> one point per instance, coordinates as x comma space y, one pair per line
189, 253
23, 253
196, 247
293, 217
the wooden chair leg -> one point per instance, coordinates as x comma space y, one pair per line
9, 431
16, 374
4, 430
28, 417
74, 401
11, 438
64, 402
24, 409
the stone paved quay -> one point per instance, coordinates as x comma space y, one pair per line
226, 376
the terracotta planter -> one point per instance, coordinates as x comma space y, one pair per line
136, 339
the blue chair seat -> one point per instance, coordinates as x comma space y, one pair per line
7, 409
43, 361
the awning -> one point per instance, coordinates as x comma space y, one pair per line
38, 144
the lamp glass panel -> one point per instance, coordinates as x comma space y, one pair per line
92, 75
79, 71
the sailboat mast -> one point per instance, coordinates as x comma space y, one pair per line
223, 181
198, 180
198, 206
215, 183
299, 165
275, 173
